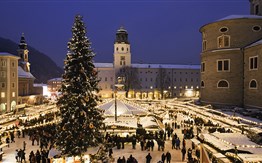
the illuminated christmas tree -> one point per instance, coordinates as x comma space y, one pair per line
81, 120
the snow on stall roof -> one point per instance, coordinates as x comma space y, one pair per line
24, 74
173, 66
227, 141
131, 122
39, 85
250, 157
55, 79
103, 65
234, 138
240, 17
217, 143
122, 108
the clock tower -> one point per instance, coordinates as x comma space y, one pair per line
122, 54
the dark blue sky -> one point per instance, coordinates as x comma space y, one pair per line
160, 31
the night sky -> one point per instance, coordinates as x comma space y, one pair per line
160, 31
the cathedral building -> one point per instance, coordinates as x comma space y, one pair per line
231, 72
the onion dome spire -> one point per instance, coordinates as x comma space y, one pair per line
121, 36
22, 44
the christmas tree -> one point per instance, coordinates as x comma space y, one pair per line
81, 120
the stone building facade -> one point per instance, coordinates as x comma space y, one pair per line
230, 60
17, 83
144, 80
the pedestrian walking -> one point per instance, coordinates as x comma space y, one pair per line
148, 158
183, 150
163, 158
168, 157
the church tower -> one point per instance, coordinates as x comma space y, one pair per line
122, 55
256, 7
23, 54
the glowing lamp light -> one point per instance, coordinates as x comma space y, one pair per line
189, 93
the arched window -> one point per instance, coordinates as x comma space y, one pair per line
253, 84
202, 84
223, 41
222, 84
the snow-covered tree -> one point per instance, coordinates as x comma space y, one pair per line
81, 120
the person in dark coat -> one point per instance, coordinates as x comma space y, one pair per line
134, 142
142, 144
152, 144
148, 158
163, 158
119, 160
183, 150
168, 157
23, 156
32, 157
38, 156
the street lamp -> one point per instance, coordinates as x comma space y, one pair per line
118, 87
115, 107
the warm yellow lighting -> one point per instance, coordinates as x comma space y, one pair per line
189, 93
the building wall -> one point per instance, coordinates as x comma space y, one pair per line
241, 32
237, 28
253, 95
210, 92
107, 81
8, 83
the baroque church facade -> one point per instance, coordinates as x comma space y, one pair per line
16, 80
231, 60
145, 81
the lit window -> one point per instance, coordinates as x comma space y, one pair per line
13, 94
13, 64
253, 84
222, 84
223, 65
2, 94
223, 41
253, 63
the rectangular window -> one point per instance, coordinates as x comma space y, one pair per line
203, 67
105, 78
3, 63
2, 94
13, 74
3, 74
204, 45
13, 64
3, 85
223, 65
256, 9
13, 94
13, 85
253, 63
